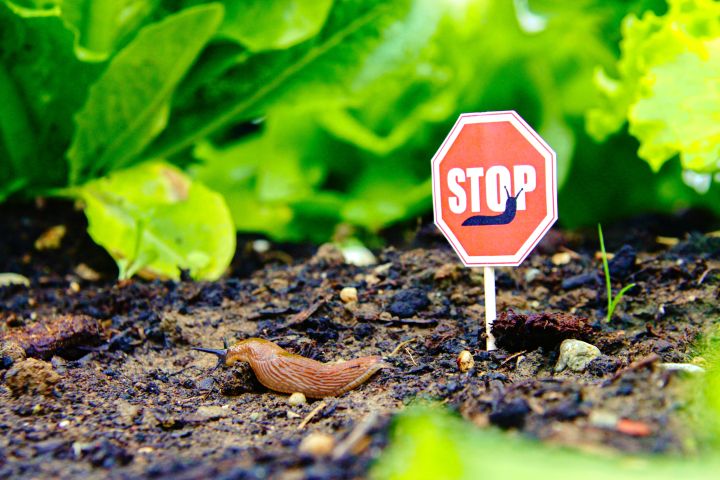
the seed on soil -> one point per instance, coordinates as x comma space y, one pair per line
465, 361
317, 444
296, 399
576, 355
349, 294
10, 352
31, 376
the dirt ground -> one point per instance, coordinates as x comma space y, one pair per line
120, 393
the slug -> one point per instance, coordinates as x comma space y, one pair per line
285, 372
502, 219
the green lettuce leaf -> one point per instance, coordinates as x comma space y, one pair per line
42, 84
128, 106
667, 88
319, 71
273, 24
154, 220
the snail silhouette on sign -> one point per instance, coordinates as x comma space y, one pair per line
501, 219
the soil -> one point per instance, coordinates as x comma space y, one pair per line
112, 388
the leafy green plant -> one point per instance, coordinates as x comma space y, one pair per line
304, 115
667, 86
612, 301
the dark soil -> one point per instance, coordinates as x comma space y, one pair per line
134, 401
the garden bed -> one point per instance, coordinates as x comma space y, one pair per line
131, 399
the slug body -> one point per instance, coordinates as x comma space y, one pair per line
502, 219
282, 371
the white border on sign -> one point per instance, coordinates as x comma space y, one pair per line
550, 187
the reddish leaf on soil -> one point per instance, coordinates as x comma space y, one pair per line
517, 331
57, 335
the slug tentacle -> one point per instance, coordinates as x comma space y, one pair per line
282, 371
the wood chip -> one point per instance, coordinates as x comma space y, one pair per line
310, 415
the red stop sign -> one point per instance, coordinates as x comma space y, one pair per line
494, 188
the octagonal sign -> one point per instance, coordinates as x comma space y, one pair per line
494, 188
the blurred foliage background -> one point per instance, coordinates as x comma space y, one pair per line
177, 122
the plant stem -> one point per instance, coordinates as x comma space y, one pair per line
606, 269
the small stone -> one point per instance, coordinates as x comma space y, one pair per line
576, 355
682, 367
355, 253
31, 376
562, 258
531, 274
317, 444
349, 294
297, 398
603, 419
207, 413
10, 352
465, 361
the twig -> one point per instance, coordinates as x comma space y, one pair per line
355, 436
636, 365
401, 345
407, 350
305, 314
310, 415
514, 355
705, 273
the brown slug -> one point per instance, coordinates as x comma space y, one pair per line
282, 371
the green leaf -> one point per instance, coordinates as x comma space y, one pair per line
319, 72
154, 220
103, 24
667, 86
273, 24
42, 84
128, 105
432, 444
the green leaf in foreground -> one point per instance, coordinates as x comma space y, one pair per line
668, 86
154, 220
128, 106
432, 444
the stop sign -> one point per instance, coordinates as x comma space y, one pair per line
494, 188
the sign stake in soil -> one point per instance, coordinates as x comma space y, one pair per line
494, 194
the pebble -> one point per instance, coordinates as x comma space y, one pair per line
10, 352
317, 444
357, 254
682, 367
212, 412
561, 258
31, 376
576, 355
465, 361
297, 398
531, 274
349, 294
